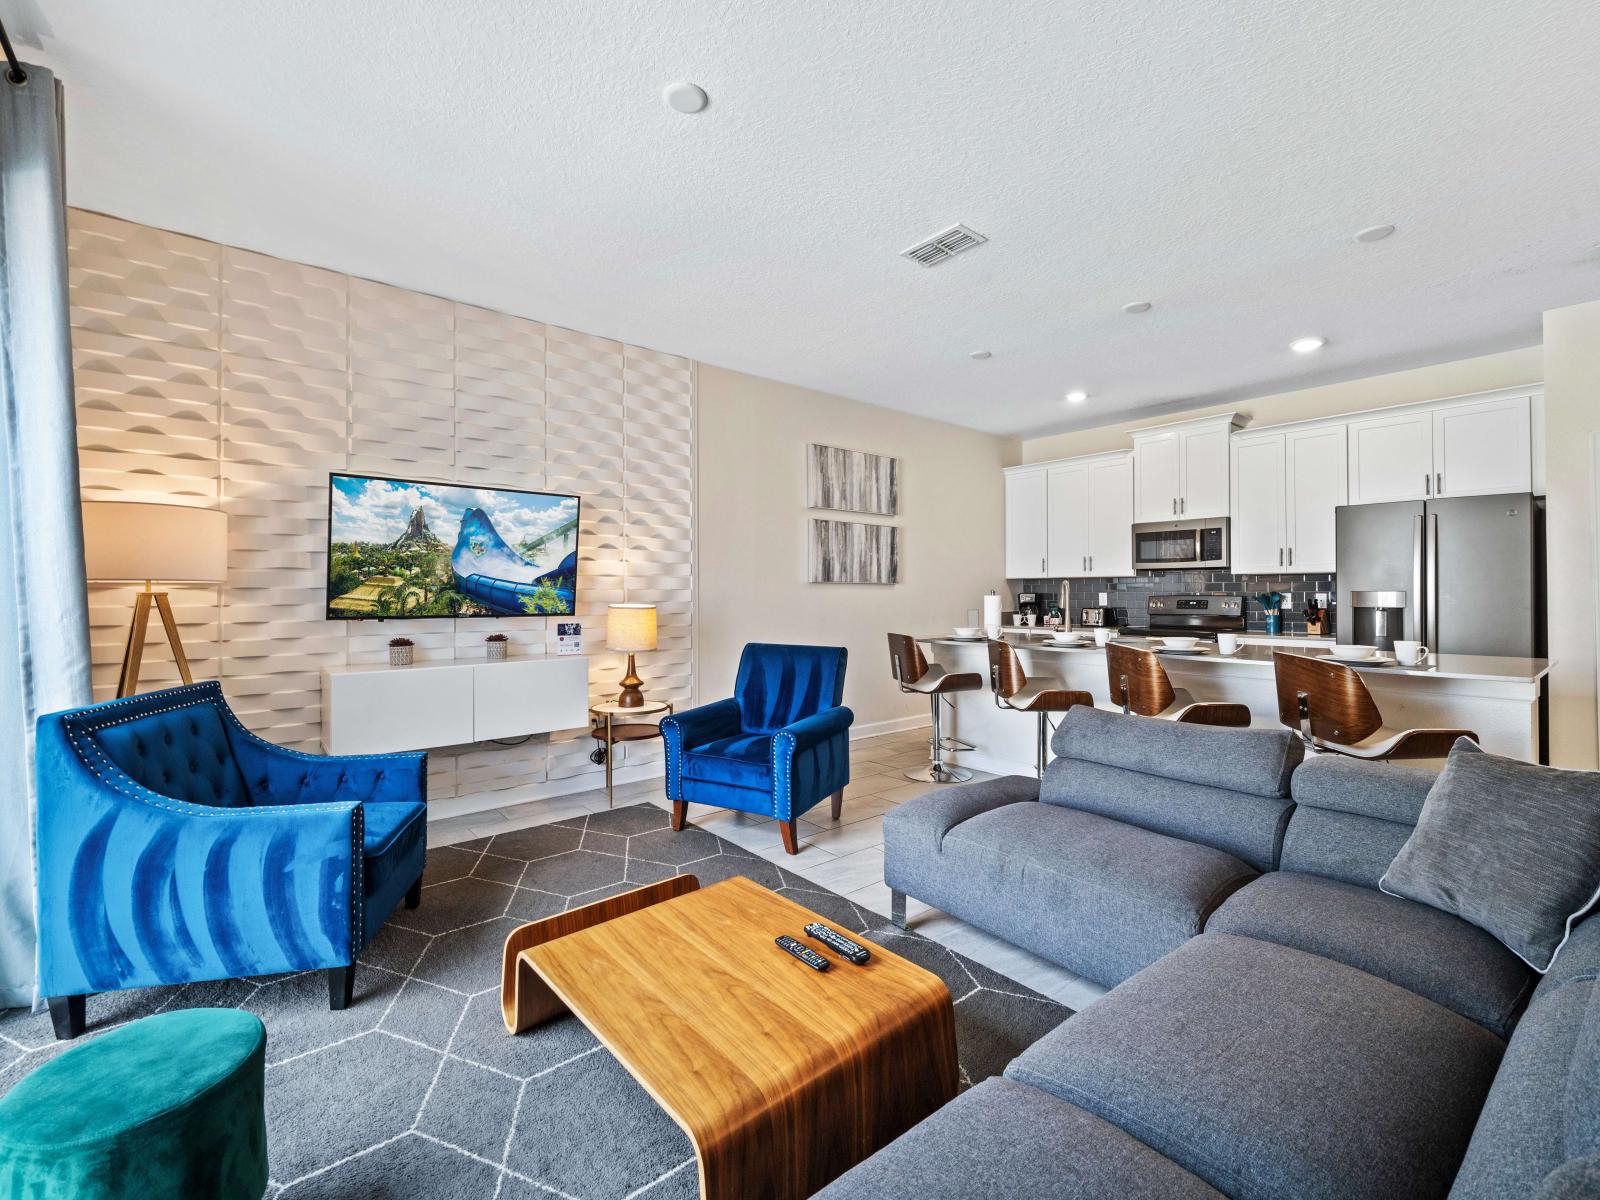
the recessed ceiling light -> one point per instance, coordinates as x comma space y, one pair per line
1308, 345
685, 97
1077, 397
1138, 306
1374, 233
979, 354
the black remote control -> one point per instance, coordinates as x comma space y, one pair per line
804, 953
838, 943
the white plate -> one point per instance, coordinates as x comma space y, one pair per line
1191, 650
1070, 639
953, 638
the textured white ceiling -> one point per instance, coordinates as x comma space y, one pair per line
1212, 156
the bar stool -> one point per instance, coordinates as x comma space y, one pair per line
913, 673
1140, 684
1013, 690
1329, 706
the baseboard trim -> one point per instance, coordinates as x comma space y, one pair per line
871, 729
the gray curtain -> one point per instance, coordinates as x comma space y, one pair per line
44, 638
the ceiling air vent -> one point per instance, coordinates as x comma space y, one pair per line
947, 243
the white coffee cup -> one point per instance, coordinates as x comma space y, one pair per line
1103, 634
1410, 653
1227, 643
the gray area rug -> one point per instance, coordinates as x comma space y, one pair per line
418, 1091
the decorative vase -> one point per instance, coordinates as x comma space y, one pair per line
400, 656
497, 651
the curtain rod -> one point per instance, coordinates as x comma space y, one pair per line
14, 71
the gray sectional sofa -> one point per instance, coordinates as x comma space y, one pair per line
1277, 1027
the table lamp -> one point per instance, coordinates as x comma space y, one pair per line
631, 627
131, 542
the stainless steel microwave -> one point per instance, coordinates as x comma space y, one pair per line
1179, 545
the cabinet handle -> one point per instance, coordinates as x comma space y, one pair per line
1041, 564
1427, 484
1174, 506
1291, 556
1438, 483
1183, 505
1280, 556
1091, 562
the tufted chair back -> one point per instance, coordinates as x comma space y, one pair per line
182, 751
778, 685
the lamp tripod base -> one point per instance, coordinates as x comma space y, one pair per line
632, 694
133, 652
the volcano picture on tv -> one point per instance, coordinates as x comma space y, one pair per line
405, 549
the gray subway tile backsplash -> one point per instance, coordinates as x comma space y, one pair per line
1129, 594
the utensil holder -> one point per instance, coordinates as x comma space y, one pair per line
1274, 623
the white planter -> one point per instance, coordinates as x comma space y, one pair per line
400, 656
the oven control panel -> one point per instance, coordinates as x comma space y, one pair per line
1191, 605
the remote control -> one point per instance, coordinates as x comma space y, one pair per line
838, 943
804, 953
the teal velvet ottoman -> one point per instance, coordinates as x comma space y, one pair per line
169, 1106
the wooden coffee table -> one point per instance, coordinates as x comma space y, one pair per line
783, 1077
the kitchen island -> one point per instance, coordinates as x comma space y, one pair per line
1498, 698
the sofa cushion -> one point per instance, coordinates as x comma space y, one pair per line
1544, 825
1422, 949
394, 846
1521, 1135
1005, 1139
1248, 827
1270, 1073
1383, 791
182, 752
1351, 818
1578, 1179
1101, 897
1578, 959
743, 761
1258, 762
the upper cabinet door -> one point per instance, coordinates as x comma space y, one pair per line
1318, 482
1067, 537
1205, 474
1157, 477
1483, 447
1391, 458
1111, 516
1259, 546
1025, 524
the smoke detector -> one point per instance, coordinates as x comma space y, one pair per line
947, 243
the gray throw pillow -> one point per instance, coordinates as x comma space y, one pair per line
1510, 846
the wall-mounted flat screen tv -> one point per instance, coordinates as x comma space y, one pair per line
400, 548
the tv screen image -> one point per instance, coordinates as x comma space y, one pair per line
404, 548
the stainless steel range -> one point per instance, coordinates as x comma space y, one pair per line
1195, 614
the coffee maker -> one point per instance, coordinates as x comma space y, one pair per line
1028, 608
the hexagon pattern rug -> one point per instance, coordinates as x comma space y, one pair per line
417, 1090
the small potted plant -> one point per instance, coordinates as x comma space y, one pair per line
400, 652
497, 644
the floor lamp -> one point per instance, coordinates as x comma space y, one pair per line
131, 542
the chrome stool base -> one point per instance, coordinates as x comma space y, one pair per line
938, 773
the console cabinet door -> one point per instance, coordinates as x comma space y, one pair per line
1483, 447
1318, 482
1391, 458
1111, 517
1259, 545
1205, 474
1067, 535
1157, 476
1026, 521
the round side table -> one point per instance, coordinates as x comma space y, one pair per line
605, 728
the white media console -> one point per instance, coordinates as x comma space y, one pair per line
381, 709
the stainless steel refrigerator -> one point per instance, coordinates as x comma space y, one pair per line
1462, 575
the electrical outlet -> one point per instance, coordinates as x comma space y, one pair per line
1322, 599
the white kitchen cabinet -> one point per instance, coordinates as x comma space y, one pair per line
1317, 482
1259, 505
1067, 536
1483, 447
1111, 516
1182, 470
1391, 457
1026, 523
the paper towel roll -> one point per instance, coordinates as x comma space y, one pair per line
991, 615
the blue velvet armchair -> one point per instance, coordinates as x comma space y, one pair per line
777, 748
174, 845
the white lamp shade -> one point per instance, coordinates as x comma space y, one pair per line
133, 542
631, 627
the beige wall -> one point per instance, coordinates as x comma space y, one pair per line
1512, 368
1572, 419
751, 506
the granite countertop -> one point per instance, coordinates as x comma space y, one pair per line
1437, 666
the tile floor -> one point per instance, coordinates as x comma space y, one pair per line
845, 856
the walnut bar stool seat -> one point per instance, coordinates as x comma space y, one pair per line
915, 674
1140, 684
1014, 690
1329, 706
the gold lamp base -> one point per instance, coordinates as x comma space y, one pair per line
632, 694
133, 653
